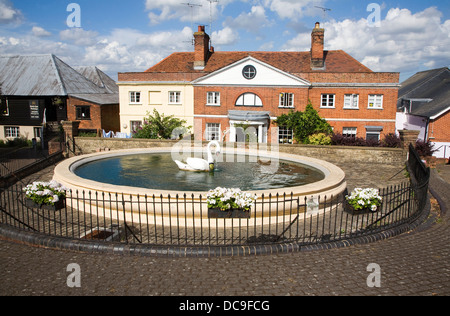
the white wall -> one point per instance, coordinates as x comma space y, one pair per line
411, 122
137, 112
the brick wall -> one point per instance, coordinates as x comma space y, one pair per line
338, 117
333, 154
102, 117
439, 129
94, 123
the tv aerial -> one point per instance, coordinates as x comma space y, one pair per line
192, 6
324, 11
211, 17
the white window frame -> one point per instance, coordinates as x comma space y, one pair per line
351, 101
285, 135
350, 131
174, 97
374, 130
12, 132
375, 101
135, 125
213, 98
243, 99
329, 99
135, 97
213, 129
378, 134
286, 100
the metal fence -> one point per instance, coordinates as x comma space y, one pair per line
19, 159
183, 220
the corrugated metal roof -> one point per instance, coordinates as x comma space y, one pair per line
42, 75
101, 99
432, 84
99, 78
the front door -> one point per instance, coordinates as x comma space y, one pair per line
248, 132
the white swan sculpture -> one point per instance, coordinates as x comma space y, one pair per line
197, 164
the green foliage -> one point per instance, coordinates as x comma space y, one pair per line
304, 124
159, 126
319, 139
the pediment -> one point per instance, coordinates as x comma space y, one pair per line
251, 72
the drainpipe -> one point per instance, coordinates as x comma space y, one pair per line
427, 129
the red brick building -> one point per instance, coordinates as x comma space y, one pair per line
235, 89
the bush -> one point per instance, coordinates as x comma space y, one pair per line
341, 140
319, 139
159, 126
391, 141
304, 124
425, 149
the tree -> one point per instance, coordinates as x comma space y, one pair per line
304, 124
159, 126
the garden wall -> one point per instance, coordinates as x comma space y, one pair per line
334, 154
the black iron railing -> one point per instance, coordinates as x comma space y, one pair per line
183, 220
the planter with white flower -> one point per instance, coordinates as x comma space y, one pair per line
45, 195
229, 203
363, 201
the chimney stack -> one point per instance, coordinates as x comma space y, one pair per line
317, 46
202, 51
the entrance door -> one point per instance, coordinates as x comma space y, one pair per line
248, 132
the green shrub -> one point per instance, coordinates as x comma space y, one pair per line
304, 124
319, 139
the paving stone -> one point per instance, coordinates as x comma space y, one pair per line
415, 263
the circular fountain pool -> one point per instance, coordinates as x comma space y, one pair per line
158, 171
115, 181
152, 171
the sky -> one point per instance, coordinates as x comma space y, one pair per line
405, 36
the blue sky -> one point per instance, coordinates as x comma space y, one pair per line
120, 36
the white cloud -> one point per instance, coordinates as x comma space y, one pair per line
226, 36
252, 21
293, 9
79, 36
9, 14
40, 32
126, 50
163, 10
404, 41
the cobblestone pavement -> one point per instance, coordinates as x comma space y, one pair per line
416, 263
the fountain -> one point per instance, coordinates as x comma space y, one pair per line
139, 173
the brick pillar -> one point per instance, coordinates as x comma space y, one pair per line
70, 131
71, 128
408, 137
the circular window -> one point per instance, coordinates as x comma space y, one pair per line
249, 72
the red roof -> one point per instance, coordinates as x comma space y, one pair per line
336, 61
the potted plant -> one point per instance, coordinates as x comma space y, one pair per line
363, 201
229, 203
45, 195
